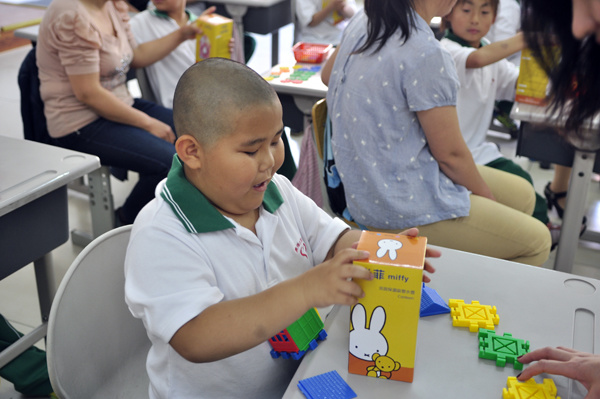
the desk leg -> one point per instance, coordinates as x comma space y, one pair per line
22, 344
579, 184
46, 289
46, 285
274, 48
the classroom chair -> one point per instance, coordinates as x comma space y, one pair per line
333, 197
35, 129
95, 347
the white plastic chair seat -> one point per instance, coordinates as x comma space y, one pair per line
96, 348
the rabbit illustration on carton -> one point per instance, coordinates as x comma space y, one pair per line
369, 343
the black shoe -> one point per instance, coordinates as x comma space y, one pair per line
552, 200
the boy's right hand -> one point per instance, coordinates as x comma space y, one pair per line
331, 282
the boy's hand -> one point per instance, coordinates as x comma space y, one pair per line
231, 45
429, 253
330, 283
209, 10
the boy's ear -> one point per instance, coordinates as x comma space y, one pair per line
189, 151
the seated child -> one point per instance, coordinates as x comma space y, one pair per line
485, 76
160, 19
323, 21
229, 253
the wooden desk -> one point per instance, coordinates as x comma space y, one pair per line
33, 216
544, 307
549, 147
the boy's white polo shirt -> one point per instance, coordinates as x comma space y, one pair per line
479, 90
185, 256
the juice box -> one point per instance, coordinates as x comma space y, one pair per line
532, 81
337, 18
214, 40
383, 325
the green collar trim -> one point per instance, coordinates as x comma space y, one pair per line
452, 36
161, 14
195, 211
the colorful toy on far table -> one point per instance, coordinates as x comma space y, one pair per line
502, 349
474, 316
326, 385
529, 389
312, 53
299, 337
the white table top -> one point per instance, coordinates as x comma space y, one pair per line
29, 170
313, 87
544, 307
29, 32
541, 115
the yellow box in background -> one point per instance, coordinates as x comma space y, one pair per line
532, 82
214, 40
383, 325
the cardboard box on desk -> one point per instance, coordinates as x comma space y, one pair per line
532, 83
383, 325
214, 40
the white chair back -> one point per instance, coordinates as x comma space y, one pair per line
96, 348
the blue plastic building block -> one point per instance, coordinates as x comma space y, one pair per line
326, 386
432, 303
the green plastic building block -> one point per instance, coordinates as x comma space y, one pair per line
529, 389
474, 316
502, 349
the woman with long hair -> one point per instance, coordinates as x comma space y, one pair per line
398, 146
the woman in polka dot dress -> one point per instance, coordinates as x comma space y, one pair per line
398, 146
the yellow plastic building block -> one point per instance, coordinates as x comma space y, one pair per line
474, 316
529, 389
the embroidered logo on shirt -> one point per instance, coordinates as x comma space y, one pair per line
301, 248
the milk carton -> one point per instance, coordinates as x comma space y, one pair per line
214, 40
383, 325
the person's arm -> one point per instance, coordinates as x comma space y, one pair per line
495, 52
88, 90
149, 52
581, 366
448, 147
231, 327
322, 14
326, 70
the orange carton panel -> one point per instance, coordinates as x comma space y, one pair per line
214, 40
383, 325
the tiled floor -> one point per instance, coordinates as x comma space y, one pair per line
18, 297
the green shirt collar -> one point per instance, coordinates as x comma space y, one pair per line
451, 36
195, 211
191, 16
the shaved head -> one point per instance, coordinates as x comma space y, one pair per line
211, 94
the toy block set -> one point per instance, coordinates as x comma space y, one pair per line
383, 324
383, 330
299, 337
217, 31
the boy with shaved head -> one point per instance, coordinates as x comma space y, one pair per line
230, 253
